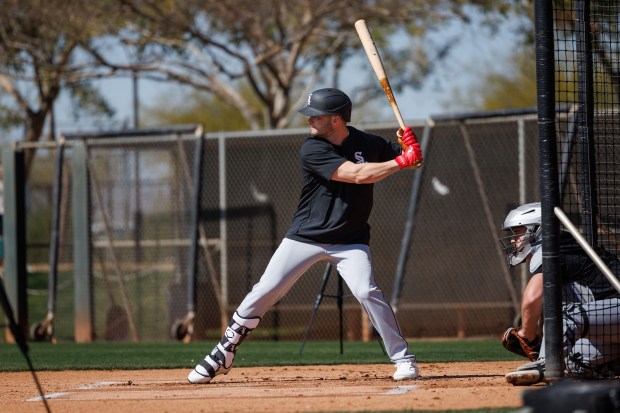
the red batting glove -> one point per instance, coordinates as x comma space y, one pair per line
406, 137
410, 156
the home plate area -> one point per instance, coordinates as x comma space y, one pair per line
327, 388
159, 389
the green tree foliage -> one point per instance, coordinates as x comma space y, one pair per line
517, 87
495, 90
279, 50
39, 46
195, 108
258, 59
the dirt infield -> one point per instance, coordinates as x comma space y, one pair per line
280, 389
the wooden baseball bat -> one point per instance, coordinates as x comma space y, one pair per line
377, 65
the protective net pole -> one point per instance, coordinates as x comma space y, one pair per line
549, 187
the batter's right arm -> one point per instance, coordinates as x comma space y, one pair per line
364, 173
371, 172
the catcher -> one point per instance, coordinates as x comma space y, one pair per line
591, 310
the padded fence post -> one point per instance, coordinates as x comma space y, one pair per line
82, 248
13, 164
196, 207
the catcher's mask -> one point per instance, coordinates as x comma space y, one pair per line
328, 101
528, 216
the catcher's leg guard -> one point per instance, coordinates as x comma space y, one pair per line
220, 360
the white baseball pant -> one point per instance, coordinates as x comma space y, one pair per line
353, 262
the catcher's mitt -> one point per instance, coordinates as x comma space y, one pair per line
518, 345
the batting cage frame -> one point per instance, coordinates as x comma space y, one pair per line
83, 247
577, 64
142, 244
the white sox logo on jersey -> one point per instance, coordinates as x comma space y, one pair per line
359, 158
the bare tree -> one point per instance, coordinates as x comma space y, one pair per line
39, 47
280, 49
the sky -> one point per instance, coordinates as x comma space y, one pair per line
477, 52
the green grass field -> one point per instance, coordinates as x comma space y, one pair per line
72, 356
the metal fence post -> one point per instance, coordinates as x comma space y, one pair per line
84, 328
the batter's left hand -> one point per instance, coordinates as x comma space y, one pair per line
406, 137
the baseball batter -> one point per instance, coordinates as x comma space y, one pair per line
591, 305
339, 166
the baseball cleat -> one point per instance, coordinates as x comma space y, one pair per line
525, 377
195, 377
532, 365
221, 358
207, 369
406, 370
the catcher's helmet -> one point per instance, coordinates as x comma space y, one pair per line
530, 217
328, 102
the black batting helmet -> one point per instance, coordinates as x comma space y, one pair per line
328, 102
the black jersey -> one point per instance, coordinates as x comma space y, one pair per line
576, 266
333, 212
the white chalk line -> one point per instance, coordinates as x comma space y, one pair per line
399, 390
97, 385
196, 392
48, 396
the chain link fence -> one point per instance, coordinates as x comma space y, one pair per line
455, 282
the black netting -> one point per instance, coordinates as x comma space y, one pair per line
587, 57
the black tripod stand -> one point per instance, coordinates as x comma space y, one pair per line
319, 297
339, 299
